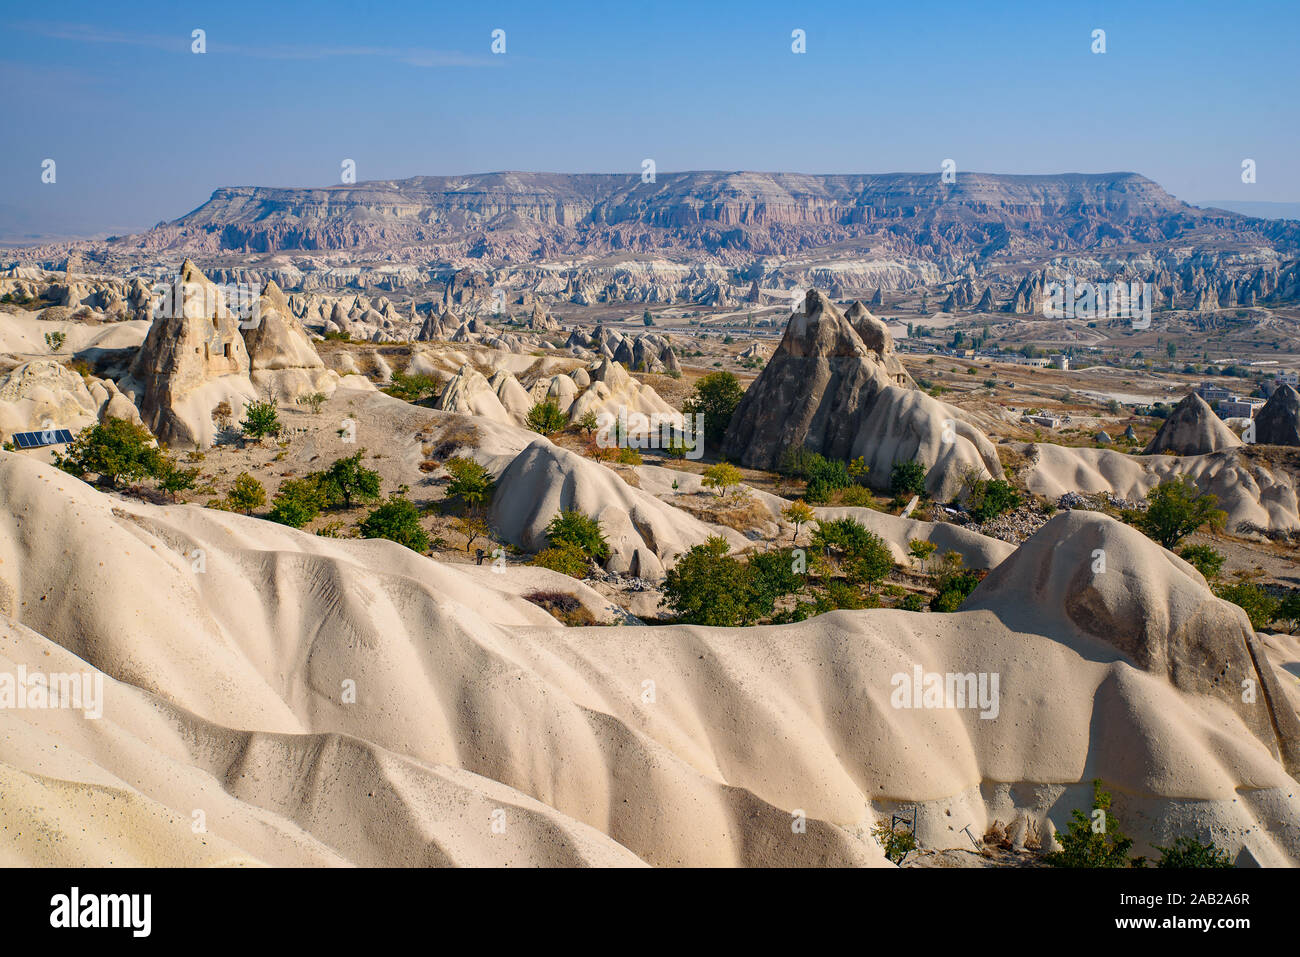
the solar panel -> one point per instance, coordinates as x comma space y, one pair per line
36, 440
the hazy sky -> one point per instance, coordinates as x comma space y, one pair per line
143, 130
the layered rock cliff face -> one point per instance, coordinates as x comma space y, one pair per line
540, 214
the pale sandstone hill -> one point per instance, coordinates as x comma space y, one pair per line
1192, 428
225, 694
46, 394
1091, 577
644, 533
830, 391
514, 399
469, 393
282, 359
1256, 495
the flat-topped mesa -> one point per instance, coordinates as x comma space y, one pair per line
830, 391
1193, 428
192, 360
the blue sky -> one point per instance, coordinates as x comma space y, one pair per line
143, 130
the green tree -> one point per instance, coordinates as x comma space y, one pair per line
716, 395
546, 418
297, 502
1175, 509
580, 531
1092, 840
722, 476
473, 527
861, 554
347, 480
907, 478
797, 514
398, 521
246, 493
709, 587
921, 550
260, 420
470, 482
990, 499
115, 450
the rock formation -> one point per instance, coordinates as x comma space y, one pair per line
45, 394
192, 360
1192, 428
827, 390
282, 360
1278, 423
1149, 605
469, 393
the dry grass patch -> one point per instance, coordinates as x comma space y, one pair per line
741, 512
563, 607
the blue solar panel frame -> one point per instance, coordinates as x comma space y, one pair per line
38, 440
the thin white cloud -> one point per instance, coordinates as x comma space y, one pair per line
412, 56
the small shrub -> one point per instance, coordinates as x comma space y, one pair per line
1206, 560
564, 558
546, 418
313, 401
246, 493
398, 521
297, 502
1189, 852
1092, 840
907, 478
1260, 607
412, 387
260, 420
581, 531
913, 601
896, 842
990, 499
857, 496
